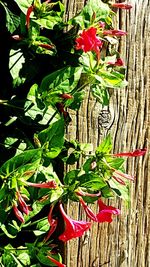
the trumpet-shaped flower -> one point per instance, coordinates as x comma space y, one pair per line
50, 184
22, 204
18, 213
124, 175
106, 212
122, 5
88, 211
136, 153
53, 224
114, 32
73, 228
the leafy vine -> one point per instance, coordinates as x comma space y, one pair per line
51, 63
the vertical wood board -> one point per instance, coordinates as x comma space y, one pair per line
126, 241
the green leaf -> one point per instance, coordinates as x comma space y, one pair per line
120, 190
50, 20
63, 80
76, 101
111, 79
24, 4
33, 112
100, 93
54, 137
105, 147
42, 227
7, 258
73, 157
4, 215
44, 260
85, 17
55, 194
16, 61
12, 20
71, 177
24, 258
43, 45
87, 164
36, 208
115, 163
107, 192
6, 232
92, 181
28, 160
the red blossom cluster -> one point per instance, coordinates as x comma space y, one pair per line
88, 41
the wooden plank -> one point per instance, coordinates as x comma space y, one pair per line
126, 241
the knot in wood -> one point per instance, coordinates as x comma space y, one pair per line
104, 119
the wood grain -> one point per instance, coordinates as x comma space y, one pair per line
126, 241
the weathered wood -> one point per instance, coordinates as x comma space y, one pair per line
126, 241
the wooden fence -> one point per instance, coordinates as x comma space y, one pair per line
126, 241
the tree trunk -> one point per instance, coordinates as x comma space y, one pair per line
125, 242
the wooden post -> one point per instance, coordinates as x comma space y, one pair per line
125, 242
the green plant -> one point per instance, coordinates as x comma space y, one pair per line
51, 61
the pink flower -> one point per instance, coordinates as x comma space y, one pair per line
73, 228
22, 204
119, 180
57, 263
88, 41
118, 62
136, 153
18, 214
114, 32
106, 212
122, 5
88, 211
53, 224
50, 184
124, 175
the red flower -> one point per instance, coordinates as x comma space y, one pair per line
122, 5
73, 228
53, 224
59, 264
118, 62
114, 32
136, 153
29, 11
88, 41
106, 212
18, 214
50, 184
22, 204
88, 211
